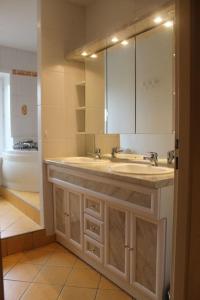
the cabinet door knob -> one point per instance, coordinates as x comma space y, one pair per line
126, 246
131, 249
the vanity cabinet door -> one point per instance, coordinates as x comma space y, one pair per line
60, 210
75, 219
116, 241
147, 250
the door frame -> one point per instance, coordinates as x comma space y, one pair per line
1, 274
185, 281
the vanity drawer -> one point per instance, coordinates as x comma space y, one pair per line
93, 228
94, 207
93, 249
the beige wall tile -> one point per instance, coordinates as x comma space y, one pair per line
54, 121
53, 88
106, 142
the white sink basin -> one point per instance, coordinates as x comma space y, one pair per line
81, 160
140, 169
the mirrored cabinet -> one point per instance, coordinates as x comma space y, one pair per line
120, 88
129, 86
154, 81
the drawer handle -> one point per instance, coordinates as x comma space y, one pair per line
93, 206
93, 250
93, 228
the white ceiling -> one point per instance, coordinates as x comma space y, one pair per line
18, 24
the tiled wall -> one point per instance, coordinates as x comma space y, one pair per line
62, 28
23, 91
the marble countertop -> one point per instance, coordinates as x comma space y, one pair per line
104, 169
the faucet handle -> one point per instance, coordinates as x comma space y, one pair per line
170, 156
153, 157
97, 151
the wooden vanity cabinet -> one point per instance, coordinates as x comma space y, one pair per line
68, 216
128, 244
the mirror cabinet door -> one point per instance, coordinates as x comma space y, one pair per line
120, 88
154, 81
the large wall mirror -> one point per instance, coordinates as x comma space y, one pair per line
129, 86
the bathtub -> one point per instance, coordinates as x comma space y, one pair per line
20, 170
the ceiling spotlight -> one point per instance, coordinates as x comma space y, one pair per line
124, 43
169, 24
84, 53
158, 20
93, 55
115, 39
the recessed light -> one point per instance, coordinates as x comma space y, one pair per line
158, 20
93, 55
124, 42
115, 39
169, 24
84, 53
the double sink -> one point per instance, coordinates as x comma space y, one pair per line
136, 167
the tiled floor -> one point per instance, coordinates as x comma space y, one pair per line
13, 221
31, 198
52, 272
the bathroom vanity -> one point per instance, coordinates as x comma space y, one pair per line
120, 224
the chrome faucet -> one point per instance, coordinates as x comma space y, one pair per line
170, 156
115, 150
152, 157
98, 153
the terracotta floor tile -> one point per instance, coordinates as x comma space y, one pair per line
112, 295
13, 221
66, 259
42, 292
53, 275
80, 264
37, 256
13, 290
83, 278
106, 284
23, 272
54, 247
74, 293
10, 261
